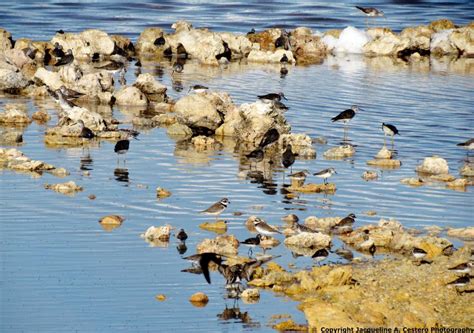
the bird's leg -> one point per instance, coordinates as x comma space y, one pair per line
250, 252
393, 142
384, 140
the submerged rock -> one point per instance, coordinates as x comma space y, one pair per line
162, 193
225, 245
370, 175
10, 137
199, 299
64, 188
219, 227
161, 233
112, 220
434, 165
312, 188
385, 163
412, 181
339, 152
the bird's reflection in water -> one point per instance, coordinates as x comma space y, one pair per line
235, 315
182, 248
158, 71
177, 85
86, 163
121, 175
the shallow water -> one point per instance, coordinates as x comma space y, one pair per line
63, 272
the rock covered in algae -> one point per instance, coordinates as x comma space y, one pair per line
69, 187
370, 175
385, 163
314, 240
14, 114
313, 188
219, 227
290, 326
339, 152
413, 181
434, 165
199, 299
226, 245
162, 193
161, 233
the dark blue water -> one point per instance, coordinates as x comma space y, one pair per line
40, 19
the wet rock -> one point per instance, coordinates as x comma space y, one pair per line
153, 90
370, 175
370, 213
113, 220
12, 79
312, 188
64, 188
15, 160
440, 25
314, 240
86, 44
250, 295
162, 193
203, 110
5, 40
462, 233
325, 223
202, 141
14, 114
51, 79
130, 96
467, 170
339, 152
161, 233
160, 297
10, 137
418, 36
41, 116
226, 245
350, 40
389, 44
165, 119
462, 39
459, 183
384, 153
146, 41
96, 86
17, 58
412, 181
301, 144
219, 227
269, 242
443, 177
441, 43
273, 278
434, 165
239, 45
290, 326
59, 172
385, 163
199, 299
270, 57
179, 130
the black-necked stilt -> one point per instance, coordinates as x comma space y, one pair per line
325, 174
288, 157
263, 228
390, 130
252, 242
346, 116
66, 59
320, 255
272, 97
269, 137
121, 148
217, 208
461, 281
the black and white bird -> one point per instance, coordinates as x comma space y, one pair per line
344, 225
199, 89
217, 208
70, 93
269, 137
263, 228
86, 132
461, 281
419, 253
346, 116
252, 242
463, 268
345, 254
469, 144
58, 50
256, 156
320, 255
203, 260
66, 59
288, 157
390, 130
325, 174
272, 97
182, 235
121, 148
177, 67
300, 228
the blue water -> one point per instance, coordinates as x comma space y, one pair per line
61, 272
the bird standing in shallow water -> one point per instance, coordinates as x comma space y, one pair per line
272, 97
389, 129
288, 157
325, 174
320, 255
255, 156
252, 242
182, 235
346, 116
263, 228
66, 60
177, 67
217, 208
370, 12
269, 137
86, 132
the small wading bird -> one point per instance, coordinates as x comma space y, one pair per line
216, 208
70, 93
269, 137
86, 132
202, 260
252, 242
272, 97
370, 12
66, 59
288, 158
199, 89
320, 255
263, 228
255, 156
122, 146
182, 235
463, 268
346, 116
345, 225
460, 282
390, 130
325, 174
177, 67
418, 253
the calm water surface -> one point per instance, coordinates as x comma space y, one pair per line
61, 272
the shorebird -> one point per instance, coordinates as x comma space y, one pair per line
269, 137
346, 221
64, 103
345, 253
70, 93
177, 67
217, 208
58, 50
86, 132
272, 97
283, 41
299, 174
263, 228
198, 88
346, 116
122, 146
66, 59
252, 242
160, 41
30, 51
469, 144
325, 174
370, 12
251, 32
203, 261
280, 106
461, 281
389, 130
122, 79
320, 255
419, 253
182, 235
288, 157
299, 228
463, 268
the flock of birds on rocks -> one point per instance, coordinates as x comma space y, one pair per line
235, 274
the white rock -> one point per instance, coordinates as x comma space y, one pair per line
270, 57
239, 45
154, 90
441, 43
51, 79
351, 40
309, 239
384, 153
434, 165
12, 79
5, 40
130, 96
387, 45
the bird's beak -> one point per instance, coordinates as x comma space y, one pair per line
285, 98
335, 172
